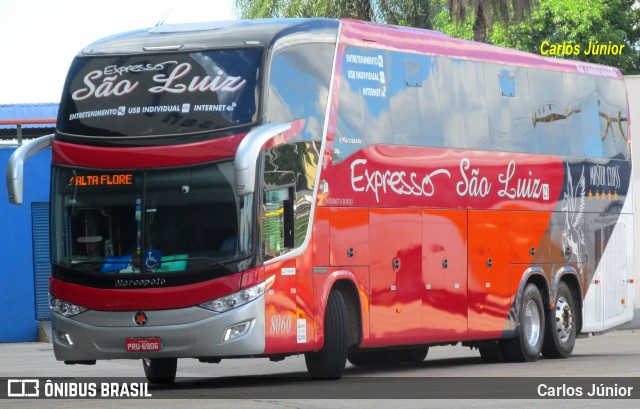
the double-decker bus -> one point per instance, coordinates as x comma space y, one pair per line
333, 188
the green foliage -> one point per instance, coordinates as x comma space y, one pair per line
303, 8
578, 22
414, 13
556, 21
444, 21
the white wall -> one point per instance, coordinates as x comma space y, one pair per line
633, 91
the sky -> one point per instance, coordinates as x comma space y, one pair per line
39, 38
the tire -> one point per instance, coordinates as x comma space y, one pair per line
561, 330
329, 362
527, 345
491, 354
160, 371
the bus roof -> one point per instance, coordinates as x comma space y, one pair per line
221, 34
409, 39
240, 33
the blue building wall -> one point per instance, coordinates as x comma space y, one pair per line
17, 288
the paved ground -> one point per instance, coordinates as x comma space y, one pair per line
608, 359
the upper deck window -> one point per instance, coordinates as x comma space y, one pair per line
161, 94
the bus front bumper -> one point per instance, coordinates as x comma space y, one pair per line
184, 333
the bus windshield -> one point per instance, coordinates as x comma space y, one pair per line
160, 94
165, 221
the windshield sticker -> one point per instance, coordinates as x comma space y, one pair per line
368, 72
149, 95
174, 82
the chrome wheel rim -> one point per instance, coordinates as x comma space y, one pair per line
531, 323
564, 319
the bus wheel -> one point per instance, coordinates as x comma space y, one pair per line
160, 371
491, 354
526, 347
561, 329
329, 362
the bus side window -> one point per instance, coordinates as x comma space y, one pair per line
612, 111
508, 108
584, 124
463, 104
414, 101
550, 112
277, 222
363, 106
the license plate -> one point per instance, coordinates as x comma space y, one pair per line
143, 344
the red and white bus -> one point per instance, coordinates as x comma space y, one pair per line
333, 188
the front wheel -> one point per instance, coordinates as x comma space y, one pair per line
561, 330
329, 362
526, 347
160, 371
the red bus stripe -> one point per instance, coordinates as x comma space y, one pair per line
144, 157
133, 299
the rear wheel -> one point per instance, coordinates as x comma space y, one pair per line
526, 347
329, 362
160, 371
561, 329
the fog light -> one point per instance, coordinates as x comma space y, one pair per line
65, 338
236, 331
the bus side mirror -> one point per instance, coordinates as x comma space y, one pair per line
246, 158
15, 166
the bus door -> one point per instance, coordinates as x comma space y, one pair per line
610, 289
277, 239
395, 276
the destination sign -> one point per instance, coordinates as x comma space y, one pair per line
102, 180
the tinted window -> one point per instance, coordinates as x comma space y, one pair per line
154, 222
289, 176
463, 106
583, 128
612, 110
299, 87
415, 108
363, 107
164, 94
508, 108
551, 109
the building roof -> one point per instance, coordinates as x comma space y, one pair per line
26, 112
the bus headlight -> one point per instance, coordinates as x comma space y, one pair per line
64, 308
231, 301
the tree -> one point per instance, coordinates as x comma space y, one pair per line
579, 22
511, 23
485, 12
414, 13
